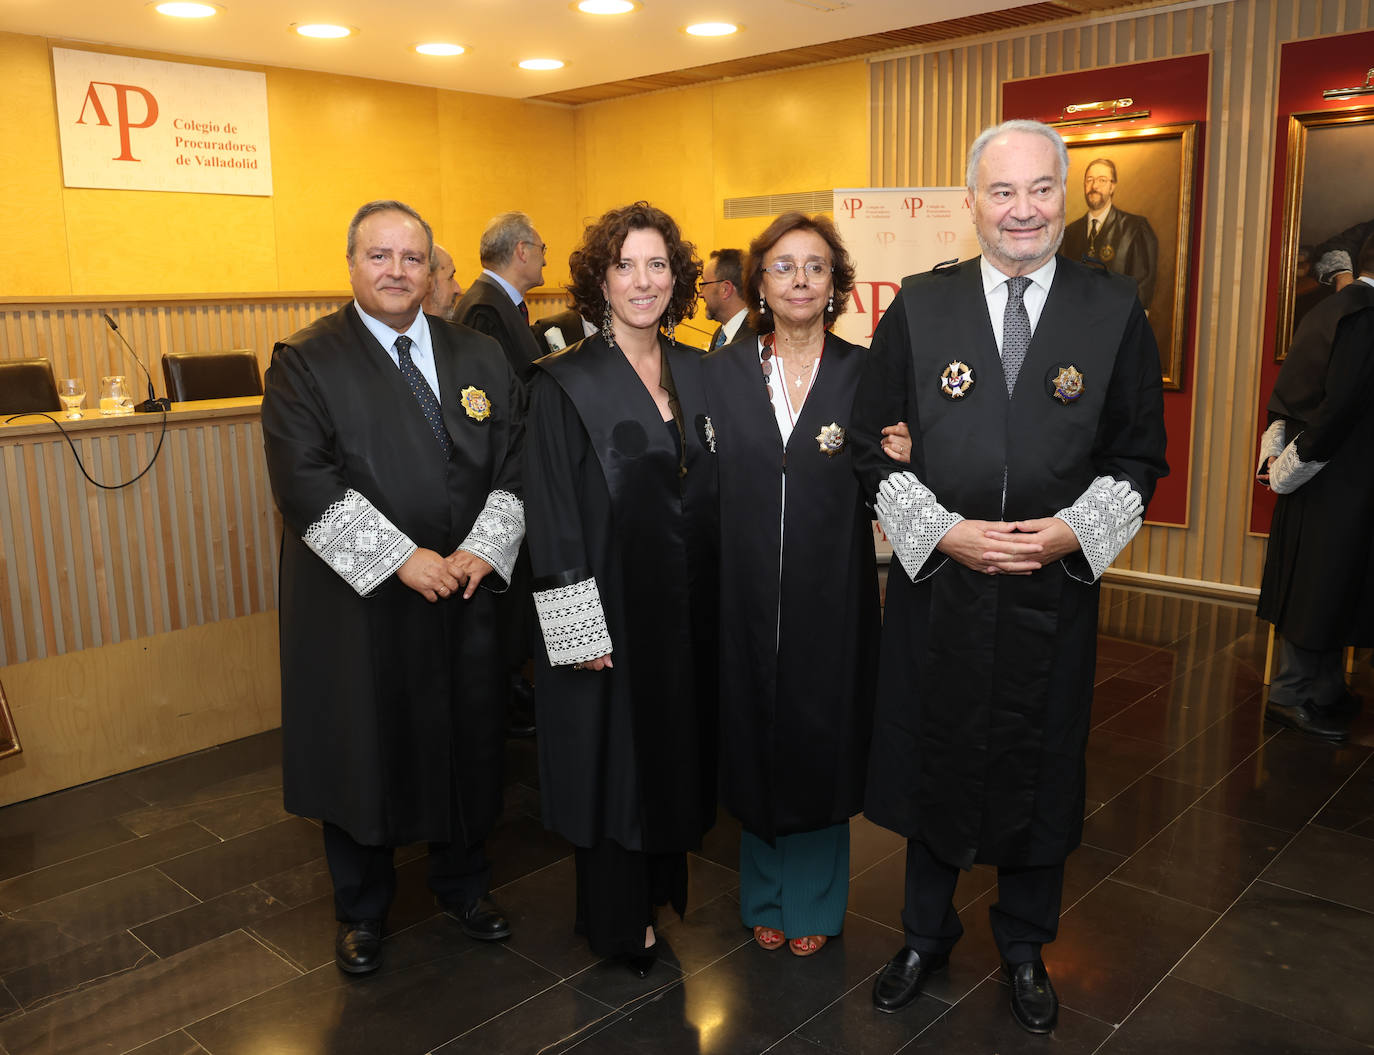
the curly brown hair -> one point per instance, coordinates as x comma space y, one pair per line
600, 248
842, 279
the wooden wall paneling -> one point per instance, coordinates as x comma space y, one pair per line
917, 91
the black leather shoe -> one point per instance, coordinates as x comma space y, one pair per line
901, 981
358, 946
482, 920
1034, 1004
1314, 721
643, 964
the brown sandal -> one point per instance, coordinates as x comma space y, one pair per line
768, 938
808, 946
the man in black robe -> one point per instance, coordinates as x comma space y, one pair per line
513, 257
1032, 390
1318, 586
393, 443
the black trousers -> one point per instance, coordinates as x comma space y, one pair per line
617, 890
1025, 917
365, 876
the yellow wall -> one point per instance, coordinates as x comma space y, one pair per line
458, 157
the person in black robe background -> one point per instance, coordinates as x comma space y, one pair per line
399, 493
1318, 585
620, 487
799, 614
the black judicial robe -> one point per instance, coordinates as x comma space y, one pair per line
626, 753
985, 681
392, 707
799, 616
1318, 585
487, 308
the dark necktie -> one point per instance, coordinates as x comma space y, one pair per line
1092, 239
1016, 330
424, 395
524, 312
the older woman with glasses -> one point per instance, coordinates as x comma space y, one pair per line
620, 502
799, 608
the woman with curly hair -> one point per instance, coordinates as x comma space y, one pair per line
620, 505
799, 621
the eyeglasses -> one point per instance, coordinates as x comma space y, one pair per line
701, 284
785, 269
543, 249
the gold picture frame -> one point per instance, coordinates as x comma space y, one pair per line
9, 737
1155, 169
1322, 198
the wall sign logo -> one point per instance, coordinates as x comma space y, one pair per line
141, 124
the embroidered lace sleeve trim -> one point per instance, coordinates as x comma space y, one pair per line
1272, 442
358, 542
497, 531
1290, 472
913, 520
1104, 519
1330, 264
573, 622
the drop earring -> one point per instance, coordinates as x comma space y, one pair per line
763, 305
669, 324
607, 332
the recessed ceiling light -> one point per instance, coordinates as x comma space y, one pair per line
541, 64
323, 31
186, 10
440, 49
606, 7
712, 29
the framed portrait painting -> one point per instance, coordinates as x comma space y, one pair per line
1130, 206
9, 739
1328, 210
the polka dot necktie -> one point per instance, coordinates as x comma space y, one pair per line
423, 393
1092, 240
1016, 330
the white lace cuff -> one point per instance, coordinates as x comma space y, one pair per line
573, 622
358, 542
1272, 442
496, 533
912, 519
1106, 517
553, 337
1290, 472
1331, 264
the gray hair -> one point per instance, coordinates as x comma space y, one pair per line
975, 153
502, 235
373, 207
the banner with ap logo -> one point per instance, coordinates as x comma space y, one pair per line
140, 124
892, 232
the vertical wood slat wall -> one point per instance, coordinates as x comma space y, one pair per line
927, 107
73, 334
193, 542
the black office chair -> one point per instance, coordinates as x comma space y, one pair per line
27, 384
211, 375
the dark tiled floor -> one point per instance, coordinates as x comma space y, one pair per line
1222, 902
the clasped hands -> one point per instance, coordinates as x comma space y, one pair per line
1001, 548
433, 576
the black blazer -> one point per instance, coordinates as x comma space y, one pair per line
487, 308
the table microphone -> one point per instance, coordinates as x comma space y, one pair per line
152, 404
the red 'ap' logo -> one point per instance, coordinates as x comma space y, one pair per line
852, 206
122, 93
913, 204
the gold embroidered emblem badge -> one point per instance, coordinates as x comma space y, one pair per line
1067, 385
830, 439
476, 403
957, 380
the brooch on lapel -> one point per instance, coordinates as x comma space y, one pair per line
708, 432
957, 380
1105, 253
830, 439
476, 403
1067, 385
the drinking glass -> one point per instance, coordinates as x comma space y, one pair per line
114, 395
72, 392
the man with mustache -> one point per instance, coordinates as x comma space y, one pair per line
1032, 390
1123, 241
393, 442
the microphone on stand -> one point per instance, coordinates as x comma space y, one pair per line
152, 404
